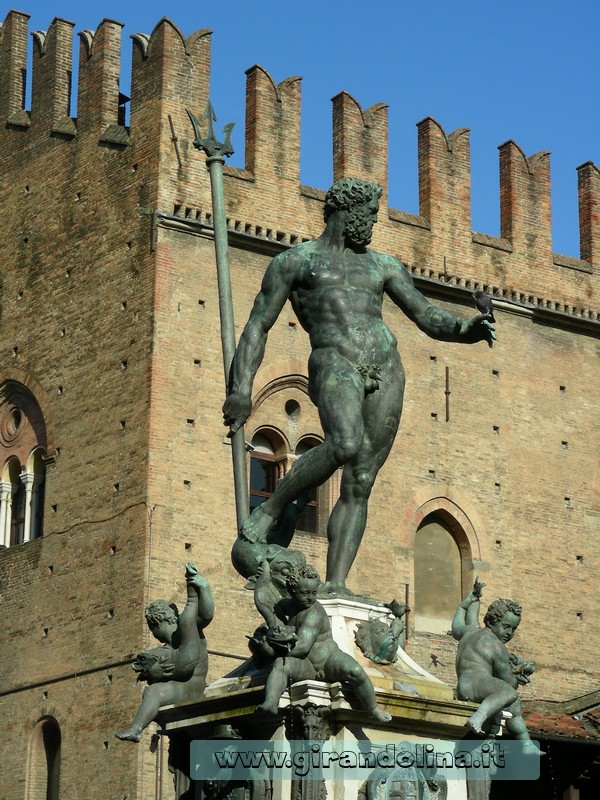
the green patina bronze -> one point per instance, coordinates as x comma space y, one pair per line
298, 644
487, 673
177, 670
336, 285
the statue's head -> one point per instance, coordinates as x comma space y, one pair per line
375, 639
163, 619
302, 584
282, 563
360, 200
502, 618
315, 721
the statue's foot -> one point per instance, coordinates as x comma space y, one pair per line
475, 723
130, 735
255, 528
495, 725
336, 587
268, 708
532, 749
381, 715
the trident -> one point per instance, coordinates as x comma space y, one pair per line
215, 158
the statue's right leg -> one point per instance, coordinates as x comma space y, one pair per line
493, 695
154, 696
283, 671
516, 724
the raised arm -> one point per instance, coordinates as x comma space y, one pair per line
432, 320
206, 602
275, 289
262, 599
467, 613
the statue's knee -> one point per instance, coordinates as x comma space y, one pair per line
345, 448
353, 674
363, 484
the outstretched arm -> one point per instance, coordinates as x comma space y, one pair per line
275, 289
432, 320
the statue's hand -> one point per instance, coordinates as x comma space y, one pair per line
194, 578
161, 671
521, 668
478, 588
236, 410
477, 329
282, 637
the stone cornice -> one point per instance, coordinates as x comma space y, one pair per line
261, 239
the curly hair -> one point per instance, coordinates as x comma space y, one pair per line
296, 574
161, 611
498, 609
349, 192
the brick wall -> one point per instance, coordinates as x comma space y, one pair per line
113, 311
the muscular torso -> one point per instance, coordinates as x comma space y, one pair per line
338, 298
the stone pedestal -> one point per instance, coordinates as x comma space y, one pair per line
422, 708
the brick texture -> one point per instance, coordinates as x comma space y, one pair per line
109, 294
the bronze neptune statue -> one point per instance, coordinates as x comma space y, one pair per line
336, 285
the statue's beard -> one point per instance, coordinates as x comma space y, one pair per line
359, 227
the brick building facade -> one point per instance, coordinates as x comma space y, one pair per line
111, 384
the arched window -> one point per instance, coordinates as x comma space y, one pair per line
18, 501
265, 470
22, 465
43, 773
439, 567
309, 518
37, 469
269, 462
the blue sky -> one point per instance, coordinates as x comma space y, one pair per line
525, 70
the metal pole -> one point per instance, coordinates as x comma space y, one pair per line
216, 152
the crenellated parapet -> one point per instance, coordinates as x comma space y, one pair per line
13, 68
360, 142
589, 213
445, 179
51, 79
98, 92
525, 218
273, 127
171, 72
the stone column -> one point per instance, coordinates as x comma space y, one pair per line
5, 512
28, 479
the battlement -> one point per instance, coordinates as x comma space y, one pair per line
171, 73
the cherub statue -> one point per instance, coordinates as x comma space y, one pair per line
487, 673
177, 670
300, 642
